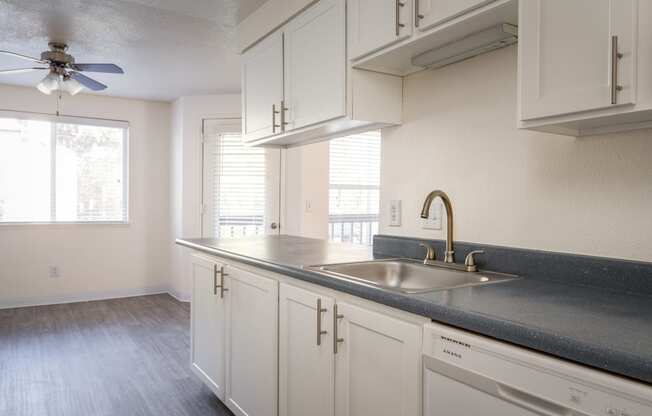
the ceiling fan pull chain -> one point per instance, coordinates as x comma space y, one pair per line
58, 102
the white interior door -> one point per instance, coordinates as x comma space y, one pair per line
241, 185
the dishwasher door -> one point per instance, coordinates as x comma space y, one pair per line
450, 395
466, 374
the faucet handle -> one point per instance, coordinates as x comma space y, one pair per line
430, 252
469, 262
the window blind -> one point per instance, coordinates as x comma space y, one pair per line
62, 172
239, 188
354, 187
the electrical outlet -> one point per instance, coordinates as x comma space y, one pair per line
395, 213
54, 272
433, 222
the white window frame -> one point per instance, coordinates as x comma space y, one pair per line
86, 121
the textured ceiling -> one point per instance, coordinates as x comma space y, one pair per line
167, 48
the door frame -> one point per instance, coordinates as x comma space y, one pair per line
274, 168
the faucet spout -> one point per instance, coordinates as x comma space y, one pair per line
425, 211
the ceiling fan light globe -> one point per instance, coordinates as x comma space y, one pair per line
49, 83
43, 88
71, 86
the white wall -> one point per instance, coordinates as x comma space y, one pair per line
95, 260
186, 170
305, 191
512, 187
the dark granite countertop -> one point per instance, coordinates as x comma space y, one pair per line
601, 328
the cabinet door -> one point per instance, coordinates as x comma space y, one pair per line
565, 55
306, 368
377, 365
262, 87
374, 24
252, 348
207, 321
429, 13
315, 65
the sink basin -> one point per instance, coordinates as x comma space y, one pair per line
409, 276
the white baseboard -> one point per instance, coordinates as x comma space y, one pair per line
83, 297
181, 297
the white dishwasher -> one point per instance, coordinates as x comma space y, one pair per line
467, 375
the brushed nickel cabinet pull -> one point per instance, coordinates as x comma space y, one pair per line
336, 339
215, 285
274, 113
615, 57
399, 25
417, 14
320, 332
283, 117
219, 271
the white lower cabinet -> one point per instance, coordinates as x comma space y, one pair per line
251, 338
373, 369
207, 323
267, 348
234, 327
306, 359
377, 365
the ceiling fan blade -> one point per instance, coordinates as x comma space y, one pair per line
107, 68
87, 82
21, 56
19, 70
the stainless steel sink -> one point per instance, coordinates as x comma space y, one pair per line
409, 276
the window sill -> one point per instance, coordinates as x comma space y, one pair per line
65, 223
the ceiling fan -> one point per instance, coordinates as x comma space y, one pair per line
64, 74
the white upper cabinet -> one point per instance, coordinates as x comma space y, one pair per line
252, 330
377, 364
301, 69
306, 361
576, 56
429, 13
428, 25
374, 24
315, 65
207, 321
262, 88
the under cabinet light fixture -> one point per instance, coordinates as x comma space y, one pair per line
487, 40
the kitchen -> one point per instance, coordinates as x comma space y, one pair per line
525, 290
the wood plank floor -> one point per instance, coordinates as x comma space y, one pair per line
118, 357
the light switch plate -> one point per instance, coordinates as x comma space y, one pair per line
434, 219
395, 213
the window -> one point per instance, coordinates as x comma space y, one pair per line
62, 170
354, 177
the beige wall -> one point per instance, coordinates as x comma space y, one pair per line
512, 187
305, 191
95, 260
186, 176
